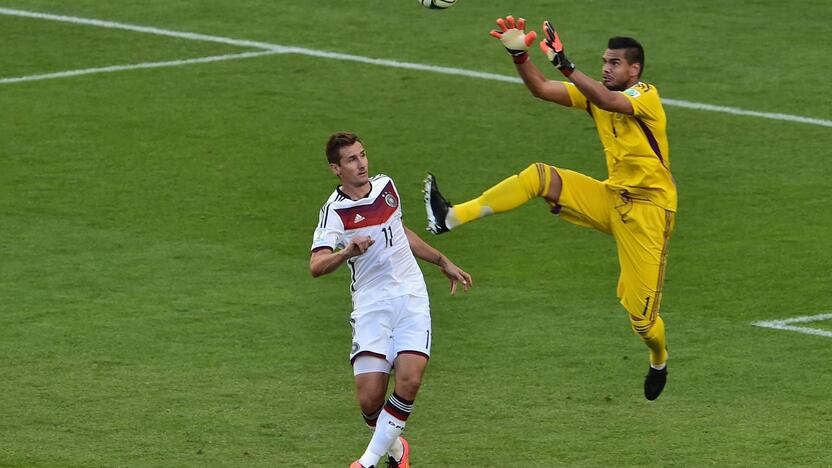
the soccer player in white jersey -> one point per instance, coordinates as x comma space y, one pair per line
361, 225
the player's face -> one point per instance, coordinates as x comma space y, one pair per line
618, 73
353, 167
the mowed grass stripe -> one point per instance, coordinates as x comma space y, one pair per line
278, 48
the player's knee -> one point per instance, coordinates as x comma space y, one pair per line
533, 168
407, 385
641, 325
370, 401
536, 179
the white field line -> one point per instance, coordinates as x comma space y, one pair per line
736, 111
136, 66
380, 62
785, 324
141, 29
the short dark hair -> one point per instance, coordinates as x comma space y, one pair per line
337, 141
633, 51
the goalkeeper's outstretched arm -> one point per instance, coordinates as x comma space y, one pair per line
541, 87
598, 94
516, 41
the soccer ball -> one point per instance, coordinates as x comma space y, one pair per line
437, 4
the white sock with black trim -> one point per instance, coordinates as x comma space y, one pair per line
391, 423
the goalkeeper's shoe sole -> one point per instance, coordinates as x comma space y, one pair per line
654, 383
436, 206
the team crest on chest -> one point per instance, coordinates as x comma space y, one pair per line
390, 200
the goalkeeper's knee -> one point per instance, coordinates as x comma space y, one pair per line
642, 326
536, 179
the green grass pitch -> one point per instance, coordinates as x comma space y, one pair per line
155, 302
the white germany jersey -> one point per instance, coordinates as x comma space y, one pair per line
388, 268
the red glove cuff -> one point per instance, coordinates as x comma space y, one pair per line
522, 58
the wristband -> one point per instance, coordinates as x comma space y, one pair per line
522, 58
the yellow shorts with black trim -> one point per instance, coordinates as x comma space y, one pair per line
641, 231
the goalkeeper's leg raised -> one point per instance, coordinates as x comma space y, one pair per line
512, 192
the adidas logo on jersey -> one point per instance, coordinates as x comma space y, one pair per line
358, 218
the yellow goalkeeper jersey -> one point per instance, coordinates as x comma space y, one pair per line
635, 146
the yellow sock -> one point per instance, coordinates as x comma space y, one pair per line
512, 192
654, 337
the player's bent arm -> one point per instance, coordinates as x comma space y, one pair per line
325, 261
598, 94
422, 250
540, 87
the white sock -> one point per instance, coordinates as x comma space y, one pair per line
660, 366
450, 219
388, 430
397, 449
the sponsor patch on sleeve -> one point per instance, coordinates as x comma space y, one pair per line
328, 238
632, 92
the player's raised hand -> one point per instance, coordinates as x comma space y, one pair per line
358, 245
553, 48
455, 274
514, 37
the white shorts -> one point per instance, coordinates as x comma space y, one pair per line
392, 326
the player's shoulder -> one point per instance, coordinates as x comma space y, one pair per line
380, 182
335, 197
641, 89
381, 178
329, 207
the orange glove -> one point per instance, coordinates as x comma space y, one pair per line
553, 49
514, 38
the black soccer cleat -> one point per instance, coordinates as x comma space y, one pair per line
391, 462
436, 206
654, 382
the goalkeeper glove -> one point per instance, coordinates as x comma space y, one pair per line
514, 38
553, 49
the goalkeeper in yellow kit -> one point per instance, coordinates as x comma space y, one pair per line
636, 204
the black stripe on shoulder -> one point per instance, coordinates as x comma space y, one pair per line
325, 214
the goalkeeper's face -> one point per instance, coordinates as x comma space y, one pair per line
353, 169
619, 74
